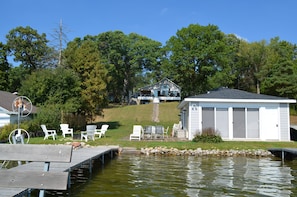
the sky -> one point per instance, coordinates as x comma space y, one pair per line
252, 20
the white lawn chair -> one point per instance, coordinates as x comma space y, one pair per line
66, 130
48, 133
137, 132
101, 132
166, 132
89, 133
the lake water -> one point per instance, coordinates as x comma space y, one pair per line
177, 176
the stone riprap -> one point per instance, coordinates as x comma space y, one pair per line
201, 152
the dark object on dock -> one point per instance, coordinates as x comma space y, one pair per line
293, 133
284, 153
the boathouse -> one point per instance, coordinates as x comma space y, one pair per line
237, 115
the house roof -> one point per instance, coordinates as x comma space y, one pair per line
6, 99
235, 95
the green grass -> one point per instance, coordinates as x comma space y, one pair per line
122, 118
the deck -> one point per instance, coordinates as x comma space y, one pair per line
80, 157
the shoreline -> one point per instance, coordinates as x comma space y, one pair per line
195, 152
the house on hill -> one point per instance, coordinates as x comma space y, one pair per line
237, 115
164, 90
7, 115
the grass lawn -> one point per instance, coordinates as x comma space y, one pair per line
122, 118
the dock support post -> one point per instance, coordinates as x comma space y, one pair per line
283, 156
69, 179
102, 158
90, 166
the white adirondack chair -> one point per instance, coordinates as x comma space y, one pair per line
66, 130
137, 132
89, 133
48, 133
101, 132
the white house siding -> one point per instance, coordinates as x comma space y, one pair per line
4, 119
261, 121
194, 119
284, 122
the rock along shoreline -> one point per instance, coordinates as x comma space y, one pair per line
201, 152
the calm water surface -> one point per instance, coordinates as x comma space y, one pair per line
148, 176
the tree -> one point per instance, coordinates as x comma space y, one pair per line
131, 60
279, 73
198, 59
4, 68
29, 48
252, 57
58, 86
83, 57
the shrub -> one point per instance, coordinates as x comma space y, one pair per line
208, 135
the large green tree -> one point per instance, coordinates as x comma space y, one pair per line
280, 72
251, 58
132, 61
199, 59
83, 57
53, 86
4, 68
29, 48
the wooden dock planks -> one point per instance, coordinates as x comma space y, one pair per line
79, 157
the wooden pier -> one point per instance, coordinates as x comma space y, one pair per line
80, 157
284, 153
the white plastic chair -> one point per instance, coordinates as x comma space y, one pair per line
137, 132
66, 130
48, 133
89, 133
101, 132
166, 132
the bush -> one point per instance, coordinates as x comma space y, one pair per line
208, 135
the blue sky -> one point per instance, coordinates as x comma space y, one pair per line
253, 20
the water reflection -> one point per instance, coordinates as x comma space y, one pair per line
130, 175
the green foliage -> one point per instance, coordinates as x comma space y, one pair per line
199, 58
5, 131
280, 71
208, 135
4, 68
50, 115
58, 86
28, 47
83, 57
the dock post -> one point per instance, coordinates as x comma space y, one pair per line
90, 166
102, 158
283, 156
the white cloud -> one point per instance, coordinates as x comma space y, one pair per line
241, 38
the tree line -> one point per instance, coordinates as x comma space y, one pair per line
92, 71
